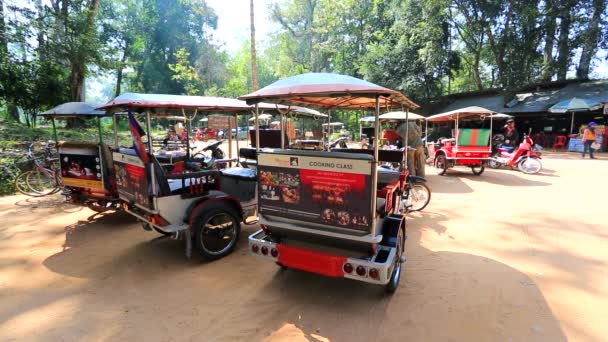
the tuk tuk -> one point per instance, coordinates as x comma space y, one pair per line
469, 146
86, 168
330, 212
205, 207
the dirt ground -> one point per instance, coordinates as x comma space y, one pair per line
500, 257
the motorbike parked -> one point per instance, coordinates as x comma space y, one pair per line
524, 158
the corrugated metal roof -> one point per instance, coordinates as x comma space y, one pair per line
535, 101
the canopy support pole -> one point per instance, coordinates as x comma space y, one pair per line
230, 139
375, 165
151, 153
572, 124
257, 128
188, 130
236, 135
115, 123
99, 130
54, 131
282, 123
407, 134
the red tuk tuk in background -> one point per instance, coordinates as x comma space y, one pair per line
470, 147
329, 212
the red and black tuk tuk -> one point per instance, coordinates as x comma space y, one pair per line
330, 212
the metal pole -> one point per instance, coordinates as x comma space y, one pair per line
407, 130
230, 138
150, 152
188, 129
54, 131
236, 121
257, 128
572, 123
99, 129
375, 164
282, 123
114, 120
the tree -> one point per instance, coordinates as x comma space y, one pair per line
590, 38
254, 68
185, 73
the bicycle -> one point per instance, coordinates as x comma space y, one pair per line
38, 178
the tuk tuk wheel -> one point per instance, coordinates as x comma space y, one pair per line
478, 169
393, 282
441, 165
216, 230
102, 206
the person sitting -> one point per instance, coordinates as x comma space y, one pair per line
510, 133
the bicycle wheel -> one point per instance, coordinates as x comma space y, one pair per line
42, 183
21, 184
419, 196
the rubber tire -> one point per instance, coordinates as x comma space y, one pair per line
478, 173
493, 164
50, 190
441, 171
100, 208
203, 214
428, 190
393, 283
529, 173
26, 190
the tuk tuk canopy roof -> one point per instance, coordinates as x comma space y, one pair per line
368, 119
73, 109
327, 90
401, 116
156, 102
462, 114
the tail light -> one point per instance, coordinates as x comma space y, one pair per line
255, 248
348, 268
374, 273
274, 252
361, 270
264, 250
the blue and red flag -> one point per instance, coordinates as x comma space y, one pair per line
137, 133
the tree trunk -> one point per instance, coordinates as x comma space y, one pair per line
550, 26
591, 39
11, 108
563, 45
254, 67
123, 60
3, 39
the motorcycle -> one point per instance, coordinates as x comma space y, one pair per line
205, 161
524, 158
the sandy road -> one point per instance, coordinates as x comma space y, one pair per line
501, 257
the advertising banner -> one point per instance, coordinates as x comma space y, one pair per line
81, 167
131, 179
324, 190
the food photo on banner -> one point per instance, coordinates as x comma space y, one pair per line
81, 167
324, 190
131, 179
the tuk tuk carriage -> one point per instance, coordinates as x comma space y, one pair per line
331, 212
469, 146
86, 168
204, 206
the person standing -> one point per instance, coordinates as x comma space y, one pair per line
510, 133
414, 141
589, 139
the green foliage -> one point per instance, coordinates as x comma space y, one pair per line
185, 73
